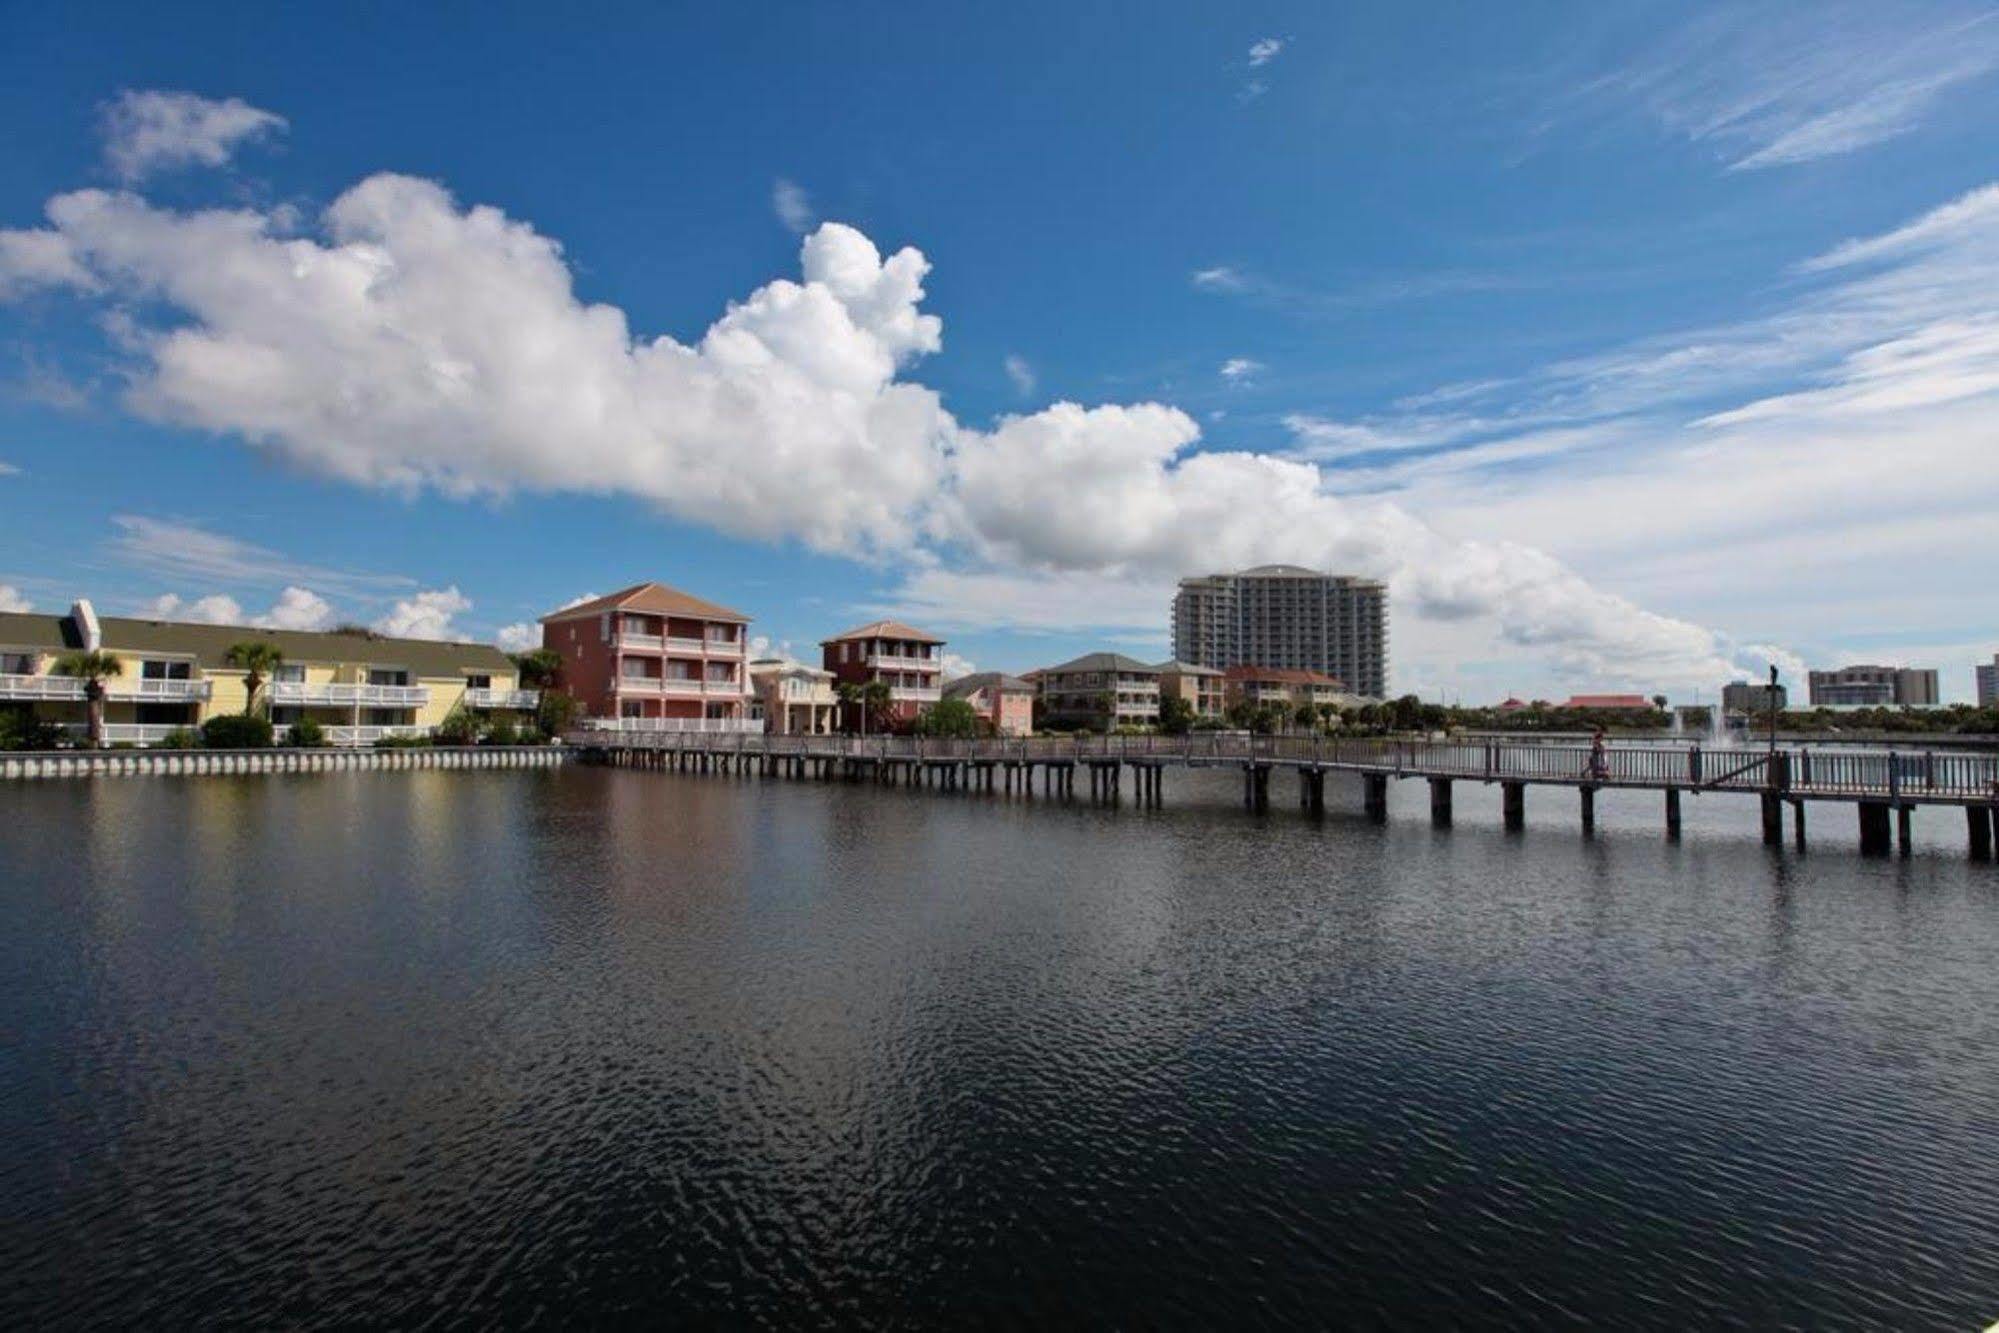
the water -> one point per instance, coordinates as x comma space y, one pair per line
585, 1045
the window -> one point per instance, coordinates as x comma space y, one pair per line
388, 676
290, 672
17, 664
154, 669
478, 682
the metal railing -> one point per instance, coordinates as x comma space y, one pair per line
40, 687
1888, 775
347, 694
674, 726
478, 696
187, 691
897, 662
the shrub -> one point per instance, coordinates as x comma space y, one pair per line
417, 742
236, 731
180, 738
306, 734
500, 731
22, 730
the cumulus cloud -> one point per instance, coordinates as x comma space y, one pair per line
31, 259
957, 665
1264, 50
427, 615
214, 609
792, 205
299, 609
1020, 373
417, 343
518, 637
151, 131
295, 609
12, 599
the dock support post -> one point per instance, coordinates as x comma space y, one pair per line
1798, 824
1903, 842
1513, 805
1440, 802
1589, 811
1773, 819
1874, 839
1978, 823
1673, 813
1377, 796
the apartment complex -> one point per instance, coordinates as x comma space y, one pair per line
887, 652
1874, 687
1103, 690
793, 699
360, 686
1744, 696
1987, 680
654, 656
1286, 687
1005, 703
1204, 688
1285, 616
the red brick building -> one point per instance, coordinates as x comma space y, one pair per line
908, 661
653, 654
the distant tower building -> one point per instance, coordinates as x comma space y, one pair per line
1988, 683
1875, 687
1284, 616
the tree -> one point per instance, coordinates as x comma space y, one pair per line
1659, 702
1176, 715
556, 712
236, 731
459, 727
1242, 714
538, 668
93, 667
1306, 716
258, 658
1406, 713
955, 718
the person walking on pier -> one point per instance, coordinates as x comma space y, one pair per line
1599, 760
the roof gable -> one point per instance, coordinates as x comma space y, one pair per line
650, 599
885, 629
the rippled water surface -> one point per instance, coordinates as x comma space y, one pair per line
584, 1045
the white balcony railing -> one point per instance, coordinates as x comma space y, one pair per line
183, 691
644, 643
40, 687
678, 686
891, 662
311, 695
722, 725
910, 694
125, 733
369, 735
480, 697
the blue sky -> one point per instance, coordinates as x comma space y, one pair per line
1636, 345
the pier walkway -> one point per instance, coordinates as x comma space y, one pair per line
1883, 785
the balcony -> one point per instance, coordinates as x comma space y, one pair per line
723, 725
644, 643
41, 687
171, 691
308, 695
480, 697
892, 662
911, 694
676, 687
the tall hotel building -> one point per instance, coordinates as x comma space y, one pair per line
1284, 616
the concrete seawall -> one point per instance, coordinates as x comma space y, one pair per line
190, 763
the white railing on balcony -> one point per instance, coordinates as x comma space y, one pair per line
185, 691
481, 697
724, 647
40, 687
721, 725
125, 733
680, 645
910, 694
645, 643
369, 735
330, 695
891, 662
676, 685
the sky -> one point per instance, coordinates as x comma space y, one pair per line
1638, 347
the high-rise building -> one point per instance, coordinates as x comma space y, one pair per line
1988, 683
1284, 616
1874, 686
1743, 696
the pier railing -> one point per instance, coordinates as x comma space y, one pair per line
1798, 773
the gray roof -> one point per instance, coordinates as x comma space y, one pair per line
1186, 669
984, 680
209, 644
1103, 662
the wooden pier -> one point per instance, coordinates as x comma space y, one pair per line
1883, 786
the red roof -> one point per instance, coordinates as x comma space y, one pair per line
885, 629
1608, 701
1511, 705
1283, 676
653, 599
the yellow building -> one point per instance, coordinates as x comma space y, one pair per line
359, 685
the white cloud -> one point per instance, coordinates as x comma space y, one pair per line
150, 131
9, 470
578, 601
1969, 215
12, 600
792, 205
1251, 90
1020, 373
298, 609
1240, 369
1220, 278
1264, 50
956, 666
295, 609
31, 259
518, 637
185, 550
215, 609
427, 615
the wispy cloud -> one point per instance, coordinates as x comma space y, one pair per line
1264, 50
151, 131
184, 551
793, 205
1021, 373
1240, 370
1769, 88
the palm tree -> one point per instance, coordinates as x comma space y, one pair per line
93, 668
875, 697
258, 658
539, 668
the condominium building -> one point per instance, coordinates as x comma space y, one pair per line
654, 657
1285, 616
887, 652
358, 685
1987, 680
1204, 688
794, 699
1874, 687
1743, 696
1284, 686
1103, 690
1005, 703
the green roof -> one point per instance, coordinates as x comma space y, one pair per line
209, 644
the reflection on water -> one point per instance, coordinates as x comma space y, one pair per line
577, 1045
